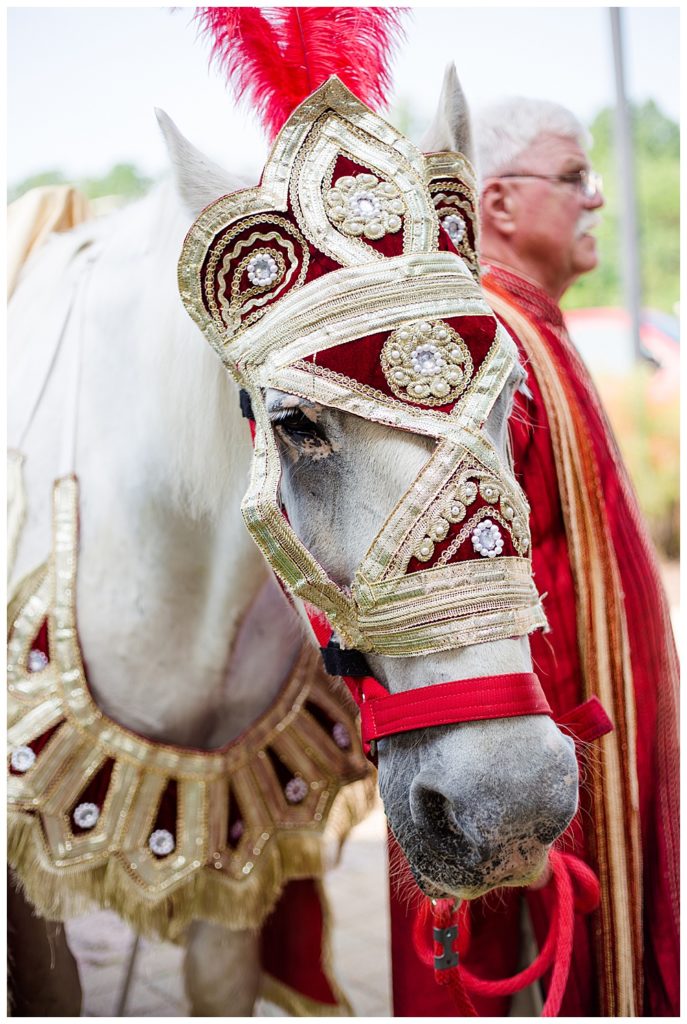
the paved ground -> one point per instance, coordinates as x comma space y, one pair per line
102, 944
358, 893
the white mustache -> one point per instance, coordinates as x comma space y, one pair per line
587, 222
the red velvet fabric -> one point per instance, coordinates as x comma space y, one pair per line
466, 550
94, 793
40, 642
360, 359
37, 745
291, 942
166, 817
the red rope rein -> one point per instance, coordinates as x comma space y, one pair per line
576, 888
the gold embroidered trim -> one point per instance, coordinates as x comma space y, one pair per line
230, 313
449, 606
451, 507
295, 1004
454, 166
330, 137
352, 303
65, 871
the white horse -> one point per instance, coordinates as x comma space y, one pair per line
167, 570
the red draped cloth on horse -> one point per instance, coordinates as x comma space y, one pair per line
610, 634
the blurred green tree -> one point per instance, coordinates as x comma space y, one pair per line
657, 169
647, 428
123, 180
35, 181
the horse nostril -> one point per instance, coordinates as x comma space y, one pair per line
441, 822
547, 832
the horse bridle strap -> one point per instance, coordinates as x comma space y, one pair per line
465, 700
508, 695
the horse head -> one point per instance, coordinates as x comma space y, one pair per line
343, 296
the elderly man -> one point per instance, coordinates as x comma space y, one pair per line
610, 631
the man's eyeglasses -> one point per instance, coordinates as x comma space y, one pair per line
589, 183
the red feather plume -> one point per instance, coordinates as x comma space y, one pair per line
274, 57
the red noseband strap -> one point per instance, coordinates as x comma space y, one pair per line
466, 700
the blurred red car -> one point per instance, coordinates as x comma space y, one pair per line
603, 337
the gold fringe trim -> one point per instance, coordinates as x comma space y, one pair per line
59, 893
64, 877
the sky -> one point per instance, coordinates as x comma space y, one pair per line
83, 82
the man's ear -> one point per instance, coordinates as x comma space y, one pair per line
199, 181
498, 206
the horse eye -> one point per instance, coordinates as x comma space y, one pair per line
297, 426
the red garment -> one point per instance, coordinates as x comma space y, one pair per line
652, 650
557, 660
294, 944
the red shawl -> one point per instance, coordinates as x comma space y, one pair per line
610, 634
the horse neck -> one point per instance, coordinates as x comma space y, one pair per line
167, 570
179, 481
266, 645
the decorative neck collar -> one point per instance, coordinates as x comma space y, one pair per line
158, 832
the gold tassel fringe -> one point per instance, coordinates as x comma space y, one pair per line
60, 893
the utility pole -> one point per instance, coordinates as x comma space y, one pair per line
628, 193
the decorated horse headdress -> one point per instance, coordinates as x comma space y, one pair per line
349, 277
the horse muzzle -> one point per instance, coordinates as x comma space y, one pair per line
483, 811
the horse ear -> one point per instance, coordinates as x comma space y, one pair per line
199, 181
450, 130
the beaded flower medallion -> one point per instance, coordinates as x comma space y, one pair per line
361, 204
427, 363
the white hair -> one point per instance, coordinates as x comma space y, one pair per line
505, 129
